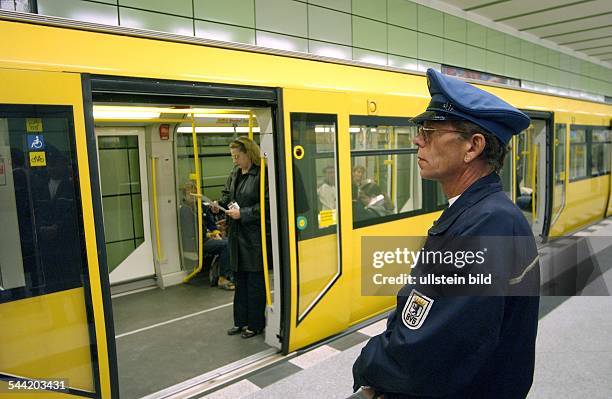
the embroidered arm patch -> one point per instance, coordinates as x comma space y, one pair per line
416, 310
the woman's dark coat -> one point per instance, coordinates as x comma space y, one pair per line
244, 234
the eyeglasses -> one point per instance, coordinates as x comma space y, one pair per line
427, 132
235, 156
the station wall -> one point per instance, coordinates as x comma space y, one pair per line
398, 33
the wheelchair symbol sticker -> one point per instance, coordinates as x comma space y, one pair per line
36, 142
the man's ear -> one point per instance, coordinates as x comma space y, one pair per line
477, 144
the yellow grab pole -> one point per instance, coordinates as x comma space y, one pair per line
514, 151
262, 217
533, 181
251, 125
160, 255
194, 139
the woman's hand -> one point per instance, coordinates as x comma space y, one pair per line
233, 213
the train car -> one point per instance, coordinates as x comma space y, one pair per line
103, 128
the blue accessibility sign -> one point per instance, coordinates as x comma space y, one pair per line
36, 142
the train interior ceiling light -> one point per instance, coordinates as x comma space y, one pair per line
102, 112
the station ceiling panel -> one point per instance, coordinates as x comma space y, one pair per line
584, 26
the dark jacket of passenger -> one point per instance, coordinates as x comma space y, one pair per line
467, 347
244, 234
377, 209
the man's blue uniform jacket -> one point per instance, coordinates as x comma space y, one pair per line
467, 346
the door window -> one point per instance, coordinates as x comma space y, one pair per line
578, 153
315, 190
41, 239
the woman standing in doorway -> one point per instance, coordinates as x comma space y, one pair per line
241, 197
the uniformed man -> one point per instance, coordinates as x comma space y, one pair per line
466, 346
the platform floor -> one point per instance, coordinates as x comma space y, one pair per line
165, 337
573, 350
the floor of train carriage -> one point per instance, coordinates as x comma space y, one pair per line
165, 337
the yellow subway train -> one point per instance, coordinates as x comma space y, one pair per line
101, 130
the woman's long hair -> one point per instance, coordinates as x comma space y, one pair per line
249, 147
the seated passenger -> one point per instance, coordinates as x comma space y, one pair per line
327, 189
373, 200
358, 179
214, 243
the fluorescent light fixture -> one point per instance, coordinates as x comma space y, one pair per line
170, 110
213, 129
332, 53
231, 116
215, 35
124, 114
372, 59
108, 19
323, 129
182, 30
354, 129
422, 66
274, 42
403, 63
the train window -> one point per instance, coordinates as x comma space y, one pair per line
41, 240
600, 151
506, 172
315, 174
578, 153
560, 133
325, 137
381, 137
386, 181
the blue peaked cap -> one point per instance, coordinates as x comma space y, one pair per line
454, 99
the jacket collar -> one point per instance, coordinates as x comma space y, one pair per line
478, 190
253, 170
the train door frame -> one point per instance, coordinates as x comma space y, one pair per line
103, 88
319, 318
548, 167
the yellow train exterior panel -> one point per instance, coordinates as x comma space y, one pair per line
54, 88
47, 337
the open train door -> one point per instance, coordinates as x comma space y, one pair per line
53, 334
532, 164
317, 124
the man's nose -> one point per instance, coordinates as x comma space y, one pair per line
418, 140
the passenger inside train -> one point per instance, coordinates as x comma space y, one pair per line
241, 197
373, 200
215, 244
327, 189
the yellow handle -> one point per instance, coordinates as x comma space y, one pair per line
262, 217
160, 255
534, 191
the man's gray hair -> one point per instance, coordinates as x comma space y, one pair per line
494, 152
